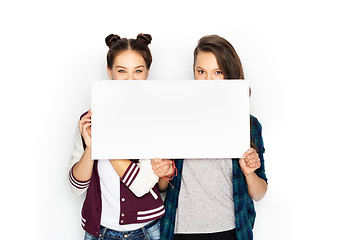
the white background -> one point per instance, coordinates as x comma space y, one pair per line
302, 60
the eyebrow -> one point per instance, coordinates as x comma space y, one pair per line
140, 66
212, 70
126, 68
120, 67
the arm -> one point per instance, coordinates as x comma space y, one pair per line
139, 178
82, 170
257, 187
81, 164
163, 168
250, 162
163, 184
120, 165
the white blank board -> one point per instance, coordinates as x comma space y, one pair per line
137, 119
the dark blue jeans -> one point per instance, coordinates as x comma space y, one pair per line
149, 232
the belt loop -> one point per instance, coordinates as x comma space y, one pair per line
102, 234
145, 232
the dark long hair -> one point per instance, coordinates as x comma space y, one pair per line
226, 57
225, 54
117, 45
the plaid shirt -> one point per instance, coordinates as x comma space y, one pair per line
244, 205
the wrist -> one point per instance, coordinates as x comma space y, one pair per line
250, 175
174, 172
87, 150
169, 175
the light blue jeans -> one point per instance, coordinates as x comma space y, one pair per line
148, 233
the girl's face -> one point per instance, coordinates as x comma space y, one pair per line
206, 67
128, 65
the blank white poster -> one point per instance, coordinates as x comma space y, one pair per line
138, 119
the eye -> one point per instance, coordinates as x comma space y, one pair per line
218, 72
122, 71
138, 71
201, 71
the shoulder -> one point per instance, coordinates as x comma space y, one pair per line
255, 124
256, 134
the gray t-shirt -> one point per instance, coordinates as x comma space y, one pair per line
206, 202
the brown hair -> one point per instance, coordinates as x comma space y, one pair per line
117, 45
226, 56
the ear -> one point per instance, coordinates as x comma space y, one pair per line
109, 72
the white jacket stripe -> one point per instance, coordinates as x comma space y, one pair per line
151, 211
133, 175
133, 165
151, 216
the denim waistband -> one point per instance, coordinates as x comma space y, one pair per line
151, 224
110, 232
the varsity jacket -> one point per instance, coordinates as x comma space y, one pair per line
140, 199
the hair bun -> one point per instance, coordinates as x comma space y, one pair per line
111, 39
145, 38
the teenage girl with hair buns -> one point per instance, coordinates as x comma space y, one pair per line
122, 197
